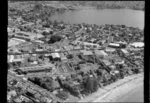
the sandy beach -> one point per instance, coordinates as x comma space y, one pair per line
129, 89
128, 92
135, 95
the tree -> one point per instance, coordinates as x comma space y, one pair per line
37, 7
62, 94
54, 38
95, 85
60, 82
41, 56
90, 84
55, 23
70, 56
72, 89
75, 91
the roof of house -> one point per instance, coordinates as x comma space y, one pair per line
124, 51
15, 41
12, 43
106, 62
121, 42
85, 52
138, 44
55, 55
100, 52
113, 44
30, 34
87, 43
110, 49
69, 47
63, 56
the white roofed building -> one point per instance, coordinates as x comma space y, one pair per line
15, 41
85, 52
114, 45
55, 55
137, 44
124, 51
15, 58
110, 49
100, 53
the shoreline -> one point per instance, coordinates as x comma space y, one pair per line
106, 5
103, 8
77, 6
134, 94
103, 92
47, 9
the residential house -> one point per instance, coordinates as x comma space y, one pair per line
107, 62
15, 58
63, 57
100, 53
56, 56
114, 45
108, 49
124, 51
87, 44
137, 44
15, 41
85, 52
28, 35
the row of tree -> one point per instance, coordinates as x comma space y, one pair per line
45, 82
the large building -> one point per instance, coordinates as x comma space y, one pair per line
14, 58
15, 41
28, 35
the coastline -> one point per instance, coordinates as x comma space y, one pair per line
79, 5
133, 95
103, 93
135, 5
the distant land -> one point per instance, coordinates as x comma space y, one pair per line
136, 5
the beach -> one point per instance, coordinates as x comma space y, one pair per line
136, 95
129, 89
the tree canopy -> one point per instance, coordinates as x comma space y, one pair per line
91, 84
54, 38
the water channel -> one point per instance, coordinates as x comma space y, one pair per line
128, 17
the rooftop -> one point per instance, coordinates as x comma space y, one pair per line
85, 52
